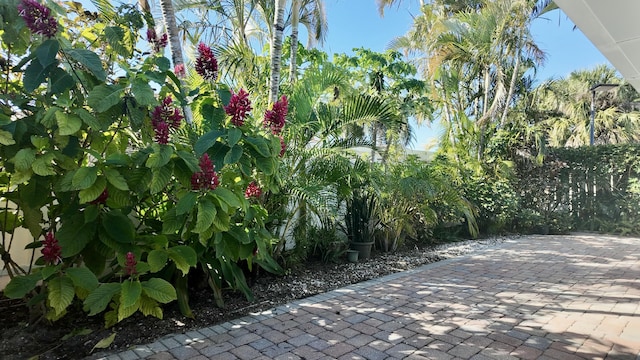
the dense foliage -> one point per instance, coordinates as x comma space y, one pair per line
97, 158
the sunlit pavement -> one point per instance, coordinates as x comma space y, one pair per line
536, 297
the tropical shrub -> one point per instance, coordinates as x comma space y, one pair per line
496, 200
97, 157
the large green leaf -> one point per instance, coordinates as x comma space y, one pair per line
142, 92
233, 136
90, 60
160, 157
60, 80
233, 155
82, 277
171, 222
24, 158
130, 293
88, 118
43, 165
34, 75
20, 286
126, 311
160, 178
266, 165
228, 197
190, 160
159, 290
103, 97
32, 219
61, 293
149, 306
114, 36
47, 52
222, 222
206, 141
157, 259
99, 298
119, 227
84, 177
92, 192
260, 145
68, 124
206, 214
184, 257
6, 138
214, 116
74, 235
116, 179
186, 203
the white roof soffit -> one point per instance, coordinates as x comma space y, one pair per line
613, 27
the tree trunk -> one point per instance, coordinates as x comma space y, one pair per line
512, 85
295, 20
485, 101
169, 18
276, 50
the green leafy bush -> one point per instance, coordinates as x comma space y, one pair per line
96, 156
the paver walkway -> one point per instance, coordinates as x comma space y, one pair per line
537, 297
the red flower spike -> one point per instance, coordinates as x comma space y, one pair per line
38, 18
130, 264
162, 133
253, 191
206, 63
51, 250
275, 118
158, 43
238, 107
163, 117
207, 178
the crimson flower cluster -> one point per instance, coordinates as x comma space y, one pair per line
274, 119
158, 42
207, 178
206, 63
163, 117
51, 250
253, 191
238, 107
38, 18
130, 264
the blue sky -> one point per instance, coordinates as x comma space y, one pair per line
357, 23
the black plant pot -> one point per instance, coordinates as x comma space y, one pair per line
363, 248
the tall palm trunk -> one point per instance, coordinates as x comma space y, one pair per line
169, 18
276, 49
512, 85
295, 20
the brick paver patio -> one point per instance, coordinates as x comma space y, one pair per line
536, 297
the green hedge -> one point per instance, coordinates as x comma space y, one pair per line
588, 188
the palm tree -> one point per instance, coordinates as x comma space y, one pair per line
320, 167
566, 103
276, 50
312, 14
483, 44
